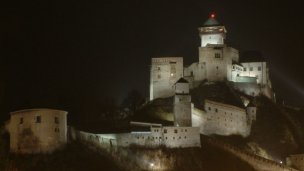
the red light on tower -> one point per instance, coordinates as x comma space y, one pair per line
212, 15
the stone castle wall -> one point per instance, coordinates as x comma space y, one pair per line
164, 74
221, 119
37, 130
171, 137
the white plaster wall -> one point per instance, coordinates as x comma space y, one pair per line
172, 137
164, 74
32, 137
256, 69
211, 39
182, 137
225, 119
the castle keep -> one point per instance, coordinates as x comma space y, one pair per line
217, 62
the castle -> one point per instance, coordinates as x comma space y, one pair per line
217, 62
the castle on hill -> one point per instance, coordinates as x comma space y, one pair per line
217, 62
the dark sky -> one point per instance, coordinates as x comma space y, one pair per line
67, 54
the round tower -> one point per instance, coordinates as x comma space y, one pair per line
212, 32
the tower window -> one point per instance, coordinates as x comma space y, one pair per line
38, 119
56, 120
217, 55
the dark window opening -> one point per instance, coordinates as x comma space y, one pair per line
56, 120
38, 119
21, 121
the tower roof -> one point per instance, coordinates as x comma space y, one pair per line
182, 80
211, 21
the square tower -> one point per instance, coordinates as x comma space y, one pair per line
165, 71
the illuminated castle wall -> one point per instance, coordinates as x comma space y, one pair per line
217, 62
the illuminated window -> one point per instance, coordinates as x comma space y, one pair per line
38, 119
56, 120
172, 74
21, 121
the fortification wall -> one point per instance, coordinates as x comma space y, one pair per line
221, 119
255, 161
171, 137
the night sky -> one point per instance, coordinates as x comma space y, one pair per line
66, 55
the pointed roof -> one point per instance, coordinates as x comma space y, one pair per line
182, 80
211, 21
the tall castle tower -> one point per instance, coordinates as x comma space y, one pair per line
214, 56
212, 33
182, 103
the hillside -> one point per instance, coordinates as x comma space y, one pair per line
278, 131
75, 157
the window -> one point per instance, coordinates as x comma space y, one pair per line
175, 131
217, 55
209, 108
259, 68
38, 119
165, 130
158, 76
57, 130
158, 68
216, 110
251, 69
56, 120
185, 130
245, 69
21, 121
